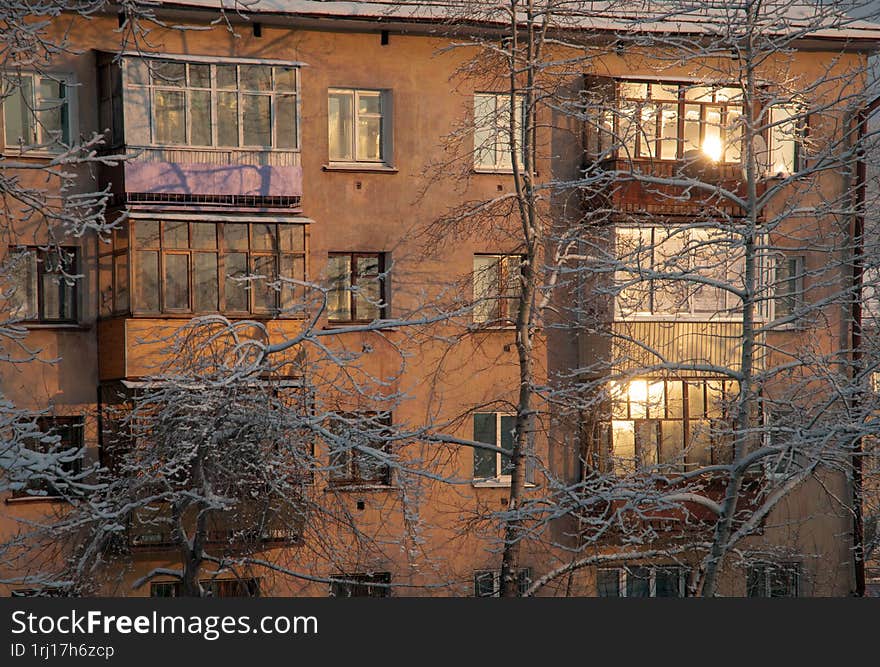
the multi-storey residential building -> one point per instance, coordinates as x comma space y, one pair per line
308, 145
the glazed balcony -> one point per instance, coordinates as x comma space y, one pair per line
202, 132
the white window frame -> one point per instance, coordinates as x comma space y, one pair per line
624, 571
498, 479
187, 89
786, 128
799, 294
522, 584
41, 145
495, 122
384, 117
498, 294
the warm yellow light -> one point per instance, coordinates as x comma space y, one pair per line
712, 148
638, 391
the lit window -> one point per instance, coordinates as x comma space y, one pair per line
362, 585
44, 284
669, 121
492, 131
497, 288
664, 271
642, 582
356, 124
673, 424
787, 129
36, 112
357, 287
773, 580
487, 583
206, 104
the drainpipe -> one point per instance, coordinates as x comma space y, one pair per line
858, 233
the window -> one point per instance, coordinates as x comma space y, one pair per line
495, 429
497, 288
45, 284
789, 298
773, 580
669, 121
642, 582
372, 585
492, 130
64, 438
182, 266
787, 130
223, 104
351, 461
356, 125
357, 287
678, 425
663, 270
215, 588
36, 112
487, 583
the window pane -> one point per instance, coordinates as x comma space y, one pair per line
170, 117
146, 234
256, 120
236, 290
204, 235
235, 236
340, 126
227, 119
734, 135
136, 71
637, 91
712, 146
484, 585
668, 583
285, 79
292, 267
285, 121
255, 77
648, 131
608, 583
292, 237
484, 130
58, 295
369, 294
263, 237
52, 111
177, 282
487, 281
200, 108
147, 282
205, 281
200, 76
638, 582
508, 424
226, 76
262, 288
691, 127
512, 285
339, 275
18, 113
166, 73
668, 131
175, 234
23, 301
484, 431
121, 267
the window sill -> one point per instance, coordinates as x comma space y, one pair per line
496, 484
27, 500
497, 171
348, 487
488, 328
37, 154
69, 326
358, 167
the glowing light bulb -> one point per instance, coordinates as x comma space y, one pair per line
712, 148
